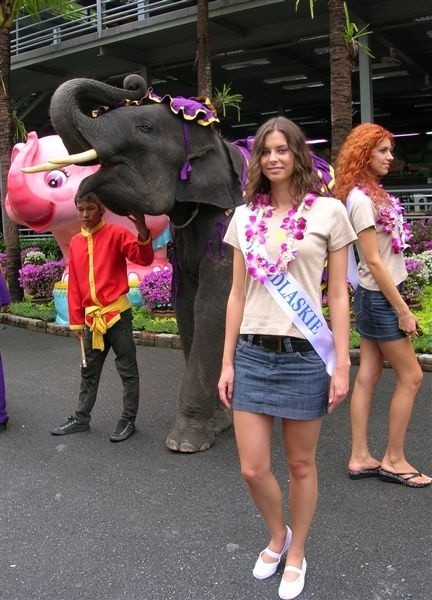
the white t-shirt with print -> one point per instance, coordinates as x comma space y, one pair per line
328, 229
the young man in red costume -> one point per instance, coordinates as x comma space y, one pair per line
99, 311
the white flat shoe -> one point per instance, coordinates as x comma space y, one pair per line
292, 589
262, 569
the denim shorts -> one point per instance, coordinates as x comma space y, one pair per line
290, 385
376, 319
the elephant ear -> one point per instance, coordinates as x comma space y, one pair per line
215, 175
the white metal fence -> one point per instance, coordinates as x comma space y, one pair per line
95, 17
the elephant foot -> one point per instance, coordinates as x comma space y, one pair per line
189, 435
222, 420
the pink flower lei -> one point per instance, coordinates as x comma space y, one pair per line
391, 221
294, 225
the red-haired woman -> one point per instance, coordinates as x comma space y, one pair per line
383, 319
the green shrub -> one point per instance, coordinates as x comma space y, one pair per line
144, 321
44, 312
46, 245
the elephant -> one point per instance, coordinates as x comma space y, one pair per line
142, 146
164, 155
45, 202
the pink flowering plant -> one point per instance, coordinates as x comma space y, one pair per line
421, 240
155, 289
414, 284
38, 280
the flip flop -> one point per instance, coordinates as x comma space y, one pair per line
363, 473
402, 478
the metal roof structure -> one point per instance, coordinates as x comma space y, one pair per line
277, 58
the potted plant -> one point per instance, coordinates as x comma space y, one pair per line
38, 280
155, 289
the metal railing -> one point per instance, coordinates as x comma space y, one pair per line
417, 201
96, 17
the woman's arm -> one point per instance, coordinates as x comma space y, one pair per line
234, 316
369, 247
338, 302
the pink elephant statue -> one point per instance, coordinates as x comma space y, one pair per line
45, 201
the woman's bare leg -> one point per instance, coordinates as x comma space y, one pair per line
301, 440
400, 353
371, 364
253, 436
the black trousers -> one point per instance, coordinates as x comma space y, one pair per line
119, 337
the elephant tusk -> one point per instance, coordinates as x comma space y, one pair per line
76, 159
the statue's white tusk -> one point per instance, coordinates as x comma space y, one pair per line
75, 159
64, 161
48, 166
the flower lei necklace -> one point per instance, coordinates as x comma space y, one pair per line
293, 226
391, 221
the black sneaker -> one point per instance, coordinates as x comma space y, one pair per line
72, 425
3, 426
123, 430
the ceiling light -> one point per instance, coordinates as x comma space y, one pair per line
252, 124
424, 18
313, 122
286, 78
428, 132
391, 74
229, 53
324, 50
158, 80
301, 86
405, 134
382, 114
423, 105
318, 141
275, 112
312, 38
247, 63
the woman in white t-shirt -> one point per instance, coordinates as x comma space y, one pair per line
383, 319
278, 349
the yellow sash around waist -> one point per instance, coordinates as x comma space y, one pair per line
101, 318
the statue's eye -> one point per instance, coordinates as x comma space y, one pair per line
56, 178
146, 126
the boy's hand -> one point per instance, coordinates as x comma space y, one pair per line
141, 227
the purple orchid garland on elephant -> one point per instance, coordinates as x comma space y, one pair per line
161, 155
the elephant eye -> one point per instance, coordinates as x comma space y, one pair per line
56, 178
146, 126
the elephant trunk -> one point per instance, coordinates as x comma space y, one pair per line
74, 101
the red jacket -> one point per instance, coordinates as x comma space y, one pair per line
97, 267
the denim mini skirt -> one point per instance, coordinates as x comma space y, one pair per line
290, 385
375, 317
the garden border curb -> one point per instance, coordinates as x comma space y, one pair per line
144, 338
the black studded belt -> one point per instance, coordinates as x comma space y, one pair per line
275, 343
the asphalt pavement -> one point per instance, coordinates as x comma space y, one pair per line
83, 518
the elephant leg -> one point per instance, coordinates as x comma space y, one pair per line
197, 422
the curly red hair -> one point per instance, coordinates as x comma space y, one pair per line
353, 160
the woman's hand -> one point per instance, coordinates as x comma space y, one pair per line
339, 386
225, 386
408, 323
